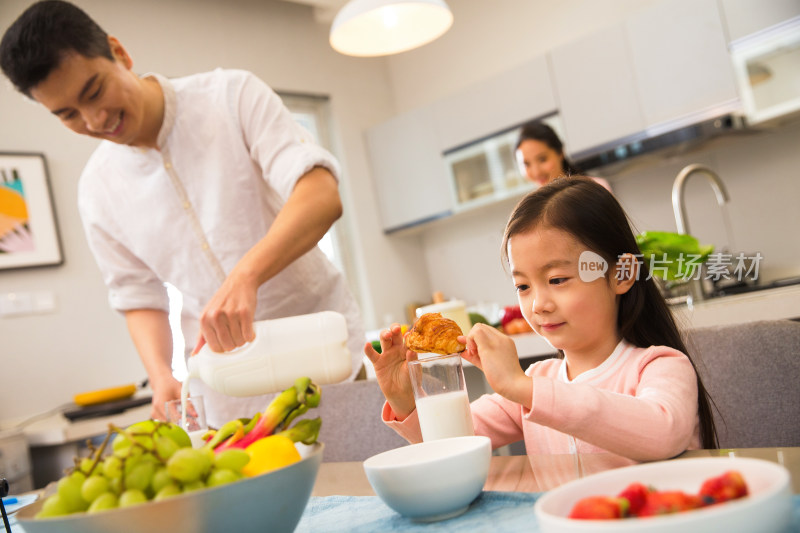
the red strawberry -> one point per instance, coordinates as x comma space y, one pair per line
666, 502
599, 508
725, 487
636, 494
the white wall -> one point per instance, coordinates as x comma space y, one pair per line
488, 38
84, 345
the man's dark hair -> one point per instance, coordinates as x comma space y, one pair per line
34, 45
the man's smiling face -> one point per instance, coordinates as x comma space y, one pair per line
97, 97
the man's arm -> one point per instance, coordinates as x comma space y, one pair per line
310, 211
152, 336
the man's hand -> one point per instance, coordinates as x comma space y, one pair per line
167, 389
312, 208
227, 320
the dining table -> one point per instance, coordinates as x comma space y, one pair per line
343, 500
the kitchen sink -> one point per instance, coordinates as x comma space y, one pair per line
744, 288
681, 296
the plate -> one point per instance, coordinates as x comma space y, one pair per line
767, 509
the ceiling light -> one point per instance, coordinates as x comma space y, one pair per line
382, 27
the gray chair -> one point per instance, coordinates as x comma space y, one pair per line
752, 372
352, 429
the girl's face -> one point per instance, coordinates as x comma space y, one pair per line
100, 98
576, 316
540, 163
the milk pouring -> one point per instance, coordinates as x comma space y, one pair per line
284, 349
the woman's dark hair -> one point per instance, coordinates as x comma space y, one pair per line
34, 45
586, 210
539, 131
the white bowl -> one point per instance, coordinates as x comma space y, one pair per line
766, 509
274, 501
431, 480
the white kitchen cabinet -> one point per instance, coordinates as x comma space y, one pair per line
499, 103
680, 57
745, 17
408, 170
596, 89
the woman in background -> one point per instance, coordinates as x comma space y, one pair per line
540, 155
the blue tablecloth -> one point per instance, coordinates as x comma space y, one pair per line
491, 512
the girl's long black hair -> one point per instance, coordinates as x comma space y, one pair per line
589, 212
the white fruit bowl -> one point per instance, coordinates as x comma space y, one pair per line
431, 480
274, 501
767, 509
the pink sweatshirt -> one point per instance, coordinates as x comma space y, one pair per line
640, 403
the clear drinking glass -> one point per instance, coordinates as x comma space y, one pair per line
195, 422
440, 393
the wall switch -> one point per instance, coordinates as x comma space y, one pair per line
44, 302
26, 303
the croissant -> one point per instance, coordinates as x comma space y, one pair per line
432, 333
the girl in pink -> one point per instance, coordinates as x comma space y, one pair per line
623, 382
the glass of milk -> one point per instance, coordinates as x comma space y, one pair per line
194, 421
440, 393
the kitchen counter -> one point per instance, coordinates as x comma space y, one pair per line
57, 429
54, 441
532, 345
768, 304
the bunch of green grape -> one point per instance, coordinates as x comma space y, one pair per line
149, 460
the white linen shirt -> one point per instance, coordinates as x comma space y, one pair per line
229, 155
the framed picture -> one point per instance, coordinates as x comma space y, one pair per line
28, 230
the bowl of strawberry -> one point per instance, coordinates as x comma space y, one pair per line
710, 494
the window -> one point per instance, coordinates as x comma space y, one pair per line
312, 112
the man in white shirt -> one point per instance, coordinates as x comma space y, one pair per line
204, 182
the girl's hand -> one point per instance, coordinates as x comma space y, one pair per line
391, 370
496, 354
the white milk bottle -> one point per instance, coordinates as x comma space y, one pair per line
284, 349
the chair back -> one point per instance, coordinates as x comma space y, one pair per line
752, 373
352, 429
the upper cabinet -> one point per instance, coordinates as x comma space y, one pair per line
680, 56
745, 17
767, 65
661, 64
414, 181
596, 89
408, 170
496, 104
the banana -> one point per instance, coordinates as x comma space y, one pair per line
104, 395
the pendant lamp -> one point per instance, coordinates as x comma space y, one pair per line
368, 28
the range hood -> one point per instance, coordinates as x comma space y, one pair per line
681, 134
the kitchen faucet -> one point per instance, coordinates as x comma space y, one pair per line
696, 288
678, 202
